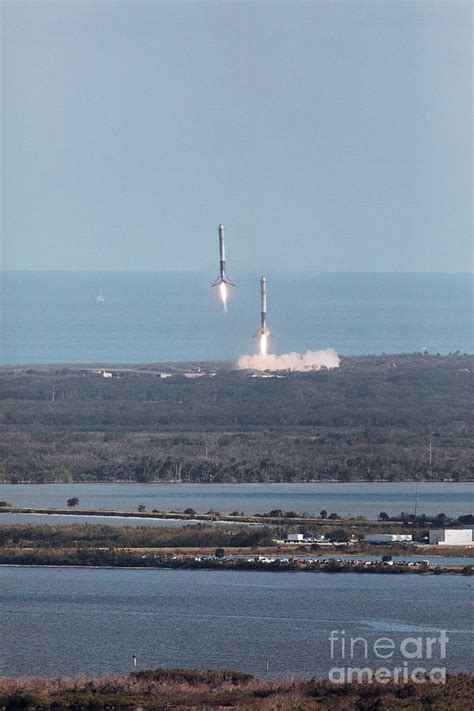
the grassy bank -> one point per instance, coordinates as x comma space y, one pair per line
187, 689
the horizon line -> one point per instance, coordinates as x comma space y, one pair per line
244, 272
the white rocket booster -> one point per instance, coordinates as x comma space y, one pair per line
263, 330
222, 278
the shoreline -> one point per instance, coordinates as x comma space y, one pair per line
453, 570
147, 366
214, 517
251, 563
181, 516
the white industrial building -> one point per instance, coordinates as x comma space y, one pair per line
295, 537
388, 538
451, 536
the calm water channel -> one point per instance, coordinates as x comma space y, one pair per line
68, 621
351, 499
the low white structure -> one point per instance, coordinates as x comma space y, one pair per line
388, 538
198, 374
451, 536
295, 537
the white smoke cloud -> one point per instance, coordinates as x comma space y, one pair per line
311, 360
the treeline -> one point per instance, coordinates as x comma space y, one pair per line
372, 419
86, 536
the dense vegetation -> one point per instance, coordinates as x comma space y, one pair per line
182, 689
85, 536
371, 419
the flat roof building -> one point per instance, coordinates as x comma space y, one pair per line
451, 536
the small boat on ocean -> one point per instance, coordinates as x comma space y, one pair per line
99, 298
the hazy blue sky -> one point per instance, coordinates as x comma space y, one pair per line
324, 135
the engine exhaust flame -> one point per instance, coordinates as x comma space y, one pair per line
223, 292
263, 344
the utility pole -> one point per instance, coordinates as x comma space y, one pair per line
431, 455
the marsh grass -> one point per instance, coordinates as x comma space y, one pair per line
193, 689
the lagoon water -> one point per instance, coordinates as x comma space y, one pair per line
53, 317
346, 499
69, 621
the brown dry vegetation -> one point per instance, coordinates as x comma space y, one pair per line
181, 689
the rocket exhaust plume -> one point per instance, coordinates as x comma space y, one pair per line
311, 360
303, 362
223, 280
263, 333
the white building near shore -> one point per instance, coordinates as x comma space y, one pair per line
451, 536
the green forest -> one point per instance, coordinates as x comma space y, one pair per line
372, 419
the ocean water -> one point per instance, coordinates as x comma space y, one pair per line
53, 317
69, 621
